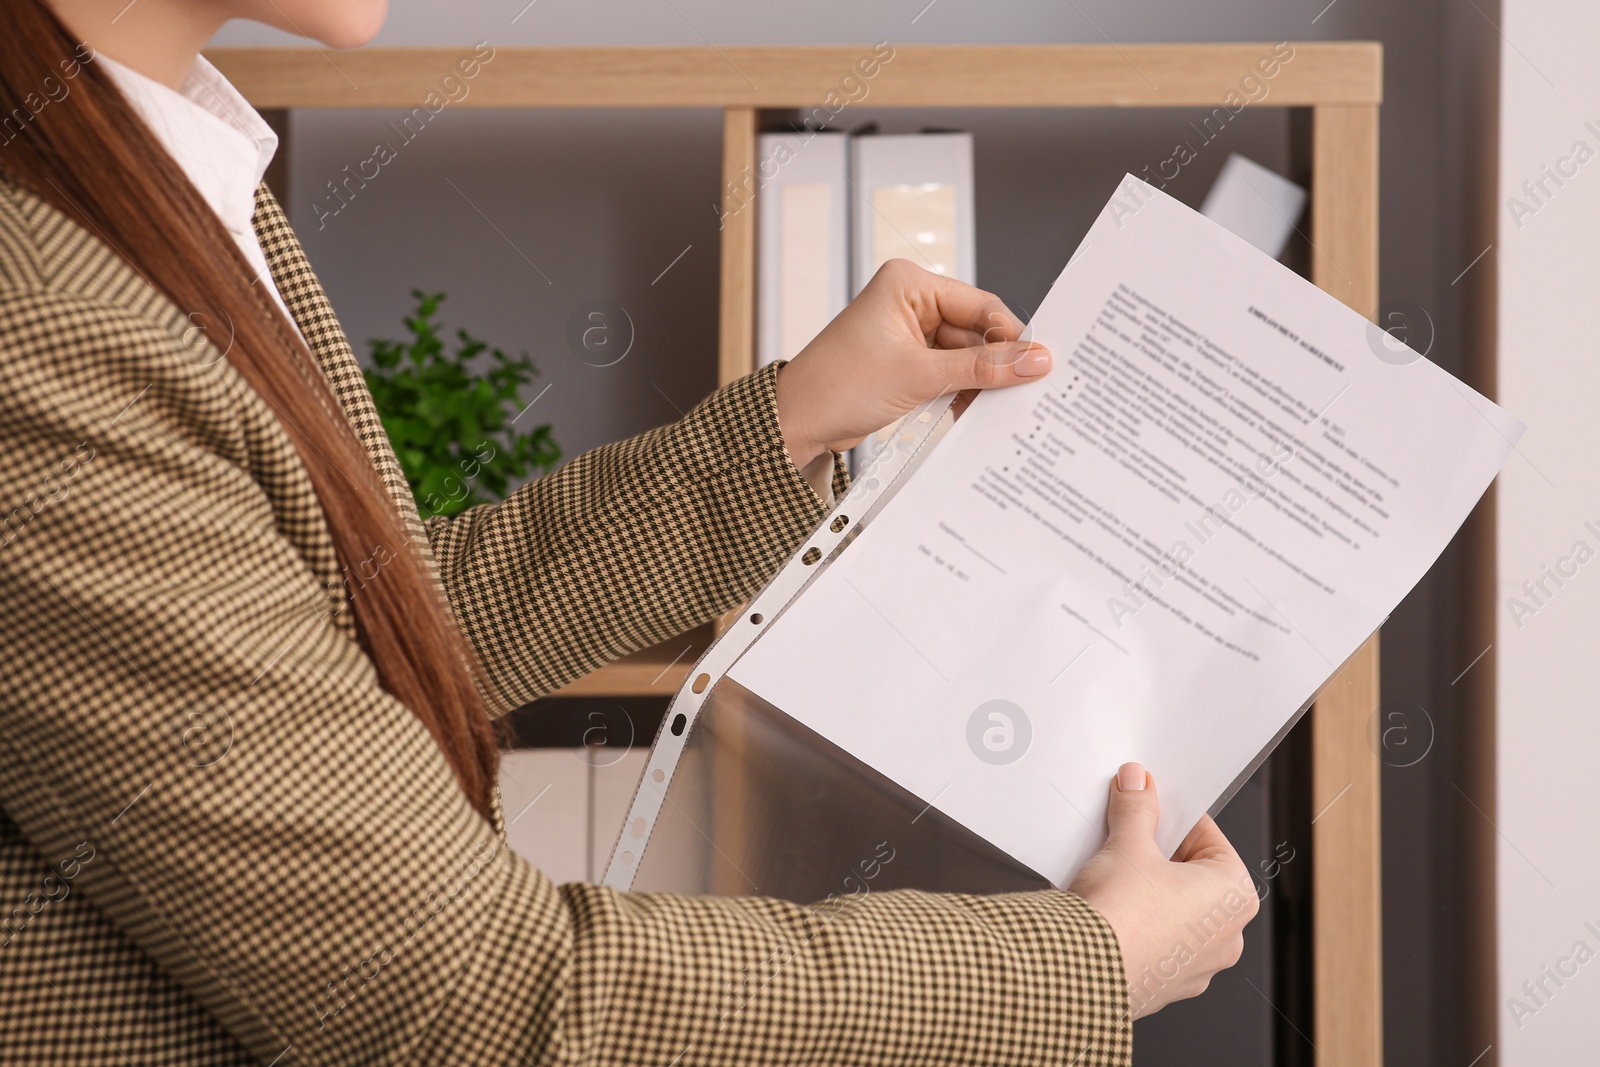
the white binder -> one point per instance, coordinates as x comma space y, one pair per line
803, 240
912, 198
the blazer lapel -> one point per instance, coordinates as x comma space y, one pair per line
312, 313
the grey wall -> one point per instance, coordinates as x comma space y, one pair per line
521, 217
550, 210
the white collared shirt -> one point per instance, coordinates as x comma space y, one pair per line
219, 142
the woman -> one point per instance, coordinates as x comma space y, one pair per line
249, 812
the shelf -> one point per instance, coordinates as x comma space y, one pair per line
657, 671
1069, 75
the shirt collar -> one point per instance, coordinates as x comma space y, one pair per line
213, 133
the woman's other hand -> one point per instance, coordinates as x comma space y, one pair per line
1178, 921
911, 335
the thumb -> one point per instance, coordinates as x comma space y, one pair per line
1132, 812
985, 366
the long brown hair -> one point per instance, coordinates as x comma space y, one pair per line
68, 135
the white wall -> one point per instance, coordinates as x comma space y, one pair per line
1548, 866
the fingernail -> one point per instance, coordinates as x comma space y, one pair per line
1033, 362
1130, 778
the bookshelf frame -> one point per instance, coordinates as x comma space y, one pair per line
1338, 86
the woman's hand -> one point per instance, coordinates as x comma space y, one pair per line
1178, 921
911, 335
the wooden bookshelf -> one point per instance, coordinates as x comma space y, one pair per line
1337, 86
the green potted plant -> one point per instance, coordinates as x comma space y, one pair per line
450, 414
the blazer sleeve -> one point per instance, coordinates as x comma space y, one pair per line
306, 865
628, 545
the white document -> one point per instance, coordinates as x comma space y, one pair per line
1159, 552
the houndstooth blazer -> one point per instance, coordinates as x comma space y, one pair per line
221, 842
